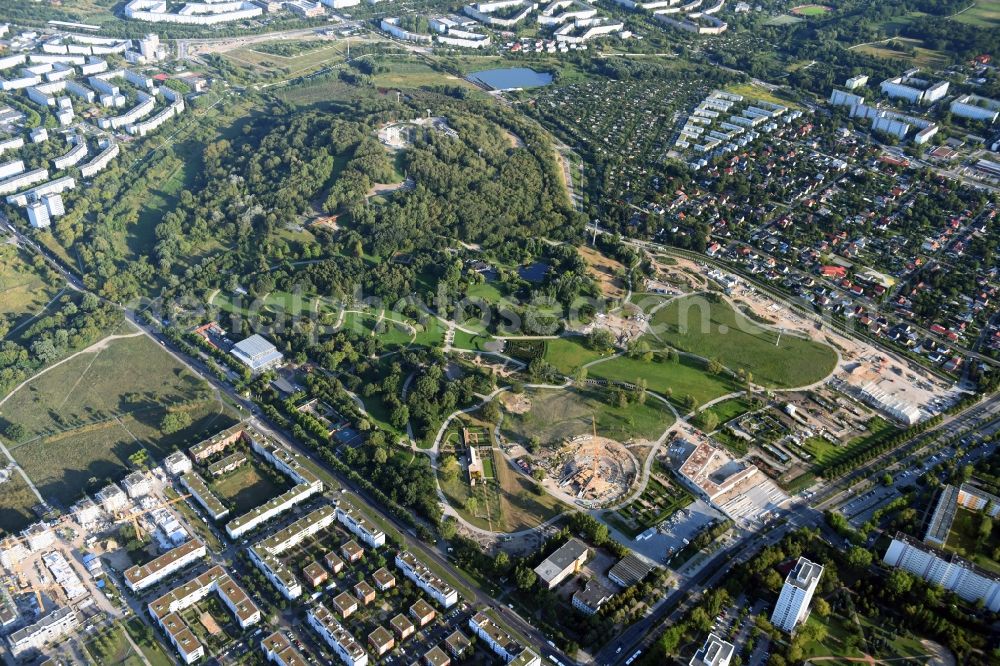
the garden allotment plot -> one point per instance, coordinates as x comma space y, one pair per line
713, 329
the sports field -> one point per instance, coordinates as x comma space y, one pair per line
810, 10
714, 330
82, 419
559, 414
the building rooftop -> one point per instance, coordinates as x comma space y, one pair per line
279, 645
256, 352
421, 609
564, 557
141, 572
381, 636
804, 574
630, 570
436, 657
715, 652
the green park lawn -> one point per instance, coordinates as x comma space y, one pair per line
670, 379
569, 353
984, 14
696, 325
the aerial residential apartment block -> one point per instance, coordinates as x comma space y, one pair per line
417, 571
339, 639
361, 527
140, 577
793, 602
501, 643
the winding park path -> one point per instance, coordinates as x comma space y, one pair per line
680, 420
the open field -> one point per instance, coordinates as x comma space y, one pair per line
985, 14
24, 289
685, 377
715, 330
15, 509
302, 57
506, 501
810, 10
729, 409
96, 386
756, 92
568, 354
605, 270
143, 637
62, 466
560, 414
892, 645
920, 56
408, 73
77, 416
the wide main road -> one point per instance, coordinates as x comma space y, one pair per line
641, 635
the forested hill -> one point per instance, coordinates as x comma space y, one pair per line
495, 183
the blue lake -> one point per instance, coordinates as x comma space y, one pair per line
512, 77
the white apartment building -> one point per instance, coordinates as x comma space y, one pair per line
138, 577
177, 463
715, 652
501, 643
339, 639
112, 498
425, 579
796, 594
264, 554
361, 527
53, 626
950, 571
137, 484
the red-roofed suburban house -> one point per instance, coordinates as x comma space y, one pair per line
833, 271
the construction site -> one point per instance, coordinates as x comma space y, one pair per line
592, 470
734, 487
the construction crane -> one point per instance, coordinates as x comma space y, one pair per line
37, 590
134, 515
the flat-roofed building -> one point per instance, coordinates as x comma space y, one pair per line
402, 626
166, 609
112, 498
437, 657
201, 493
457, 644
346, 604
383, 579
333, 562
315, 574
217, 443
590, 599
425, 579
422, 612
501, 642
715, 652
793, 602
137, 484
177, 463
351, 551
563, 563
140, 577
629, 570
50, 627
279, 650
364, 592
352, 519
381, 641
266, 553
339, 639
257, 353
